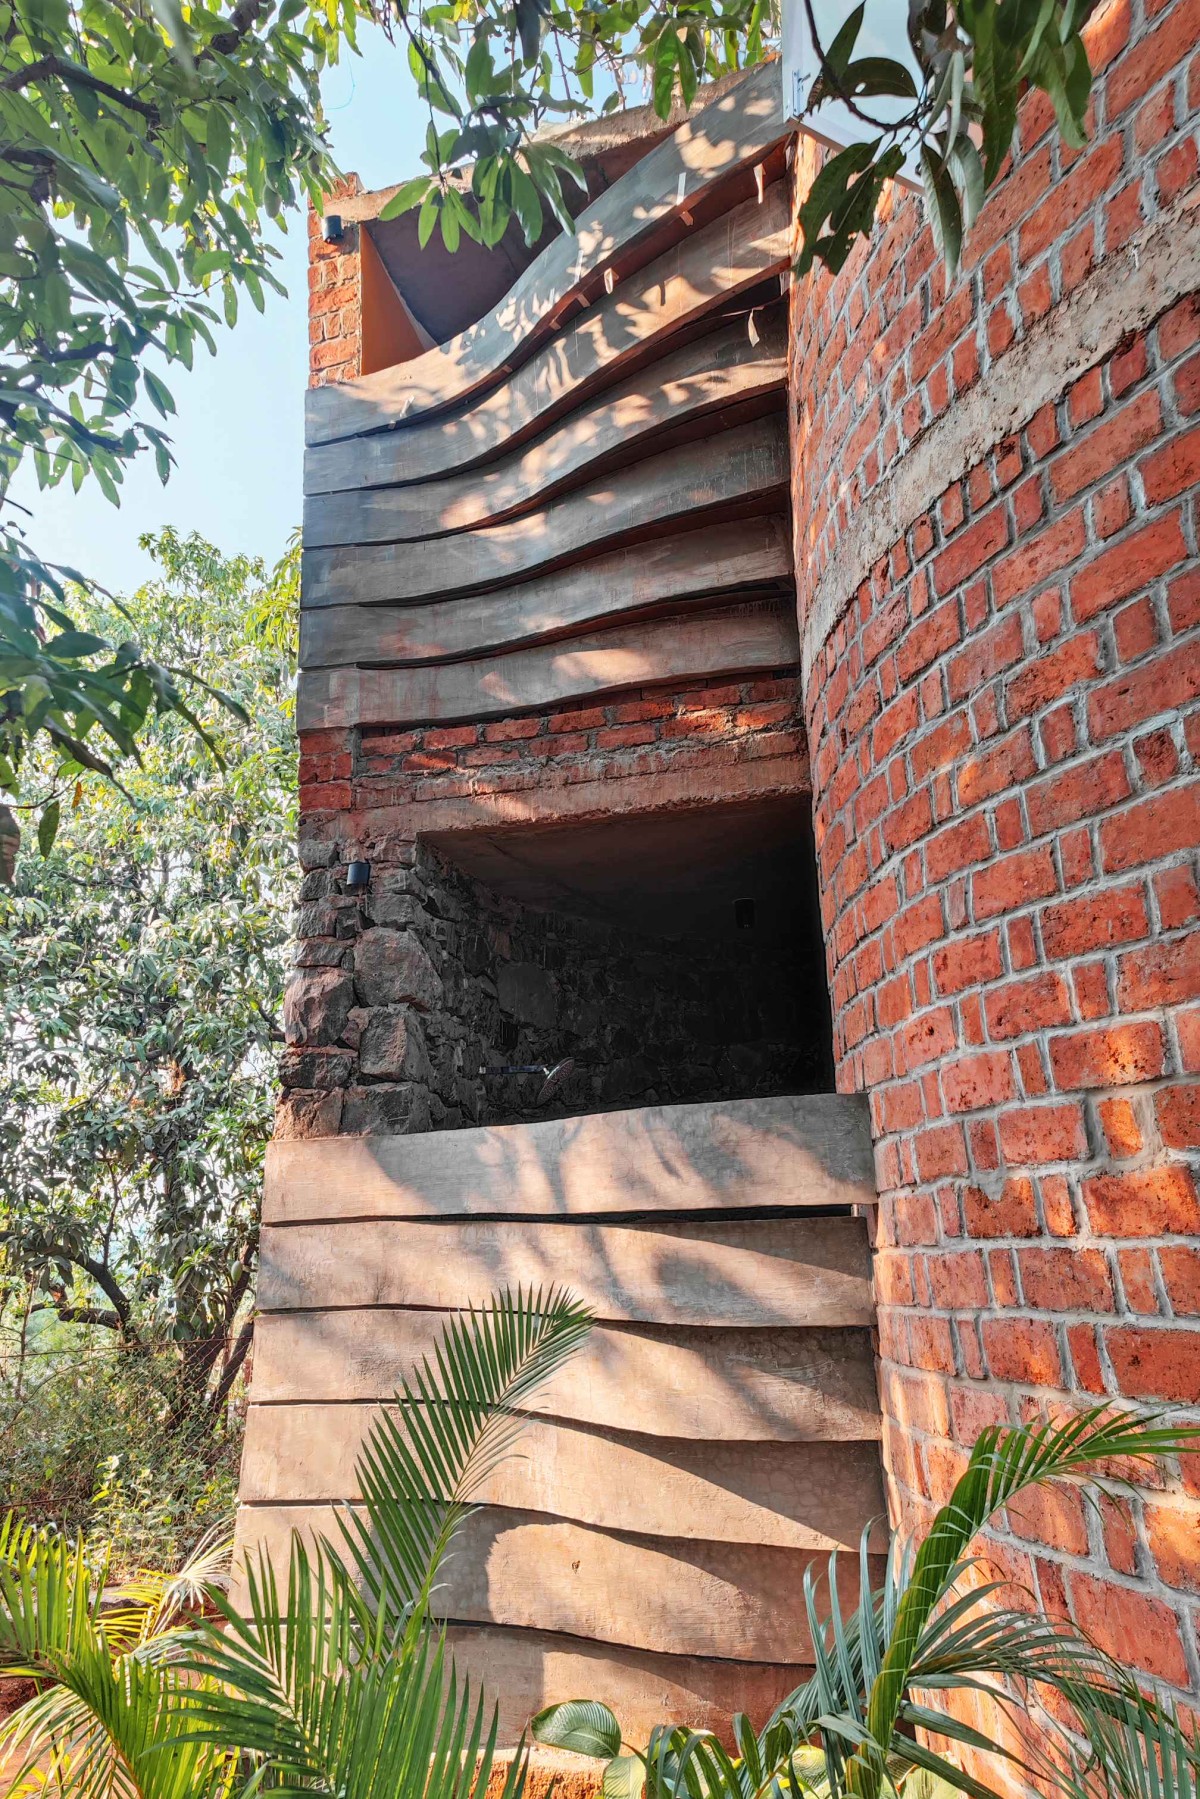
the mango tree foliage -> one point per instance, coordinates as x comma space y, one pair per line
491, 74
958, 117
144, 158
141, 976
146, 147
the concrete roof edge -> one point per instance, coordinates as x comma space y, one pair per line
588, 138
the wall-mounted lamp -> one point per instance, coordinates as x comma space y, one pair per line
358, 877
744, 914
332, 229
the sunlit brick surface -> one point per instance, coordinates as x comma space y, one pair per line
1003, 726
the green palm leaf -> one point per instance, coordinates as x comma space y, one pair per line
1138, 1746
338, 1683
100, 1725
1002, 1465
302, 1695
49, 1598
454, 1422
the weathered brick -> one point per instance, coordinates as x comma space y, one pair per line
1107, 1058
1013, 881
1066, 1280
1082, 791
1130, 1625
967, 962
1034, 1134
1155, 1363
1029, 1005
1050, 677
1010, 1213
975, 1082
1110, 446
1024, 1350
1156, 827
1143, 1202
1094, 921
1131, 564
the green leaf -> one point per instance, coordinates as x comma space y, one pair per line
995, 79
428, 216
840, 51
48, 824
582, 1726
831, 192
406, 196
944, 210
689, 75
218, 139
526, 204
72, 644
478, 71
964, 162
624, 1778
873, 75
528, 15
160, 394
171, 14
666, 55
451, 222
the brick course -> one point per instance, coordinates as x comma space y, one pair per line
355, 783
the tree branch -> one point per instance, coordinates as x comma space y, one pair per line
241, 1282
229, 1373
272, 1024
76, 72
104, 1279
69, 1314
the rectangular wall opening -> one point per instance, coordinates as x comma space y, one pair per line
669, 958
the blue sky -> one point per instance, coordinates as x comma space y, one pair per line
237, 435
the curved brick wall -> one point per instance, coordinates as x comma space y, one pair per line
995, 516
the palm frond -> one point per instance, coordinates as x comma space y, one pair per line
452, 1424
102, 1730
1003, 1463
50, 1598
973, 1636
148, 1611
303, 1685
339, 1683
1138, 1747
273, 1669
186, 1591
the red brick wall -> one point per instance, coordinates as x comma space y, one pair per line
353, 782
1005, 730
334, 297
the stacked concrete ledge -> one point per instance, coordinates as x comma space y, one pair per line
716, 1437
